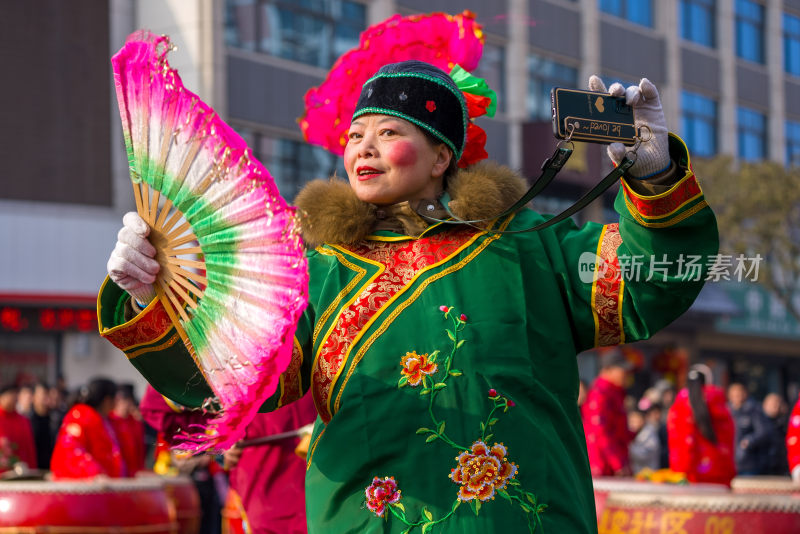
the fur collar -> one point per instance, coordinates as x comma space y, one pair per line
330, 212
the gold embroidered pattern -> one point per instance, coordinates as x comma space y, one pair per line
607, 290
402, 262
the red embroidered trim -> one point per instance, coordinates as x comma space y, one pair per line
607, 298
664, 206
148, 327
402, 261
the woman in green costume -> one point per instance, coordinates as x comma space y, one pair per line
442, 357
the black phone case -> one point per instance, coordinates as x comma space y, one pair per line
592, 117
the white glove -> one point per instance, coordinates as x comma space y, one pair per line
653, 155
131, 265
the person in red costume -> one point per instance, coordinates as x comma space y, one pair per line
172, 421
16, 436
701, 431
86, 445
128, 428
604, 419
793, 443
270, 478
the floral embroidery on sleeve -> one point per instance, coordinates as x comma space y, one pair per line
481, 471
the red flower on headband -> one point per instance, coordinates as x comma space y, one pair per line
430, 105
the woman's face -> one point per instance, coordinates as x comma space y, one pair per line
389, 160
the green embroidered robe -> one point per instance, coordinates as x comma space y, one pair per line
444, 367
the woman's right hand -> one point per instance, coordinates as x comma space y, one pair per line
131, 265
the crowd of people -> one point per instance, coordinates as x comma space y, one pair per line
95, 430
102, 430
702, 431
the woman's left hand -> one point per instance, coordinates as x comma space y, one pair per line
652, 157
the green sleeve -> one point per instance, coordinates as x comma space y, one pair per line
153, 346
625, 281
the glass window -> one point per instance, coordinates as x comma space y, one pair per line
697, 21
543, 75
752, 134
638, 11
315, 32
750, 30
793, 143
791, 44
699, 123
291, 163
492, 68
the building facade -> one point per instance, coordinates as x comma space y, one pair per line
728, 72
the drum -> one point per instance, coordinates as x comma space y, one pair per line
603, 486
183, 497
629, 513
85, 507
765, 484
183, 500
234, 518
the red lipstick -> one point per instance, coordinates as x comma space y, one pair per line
366, 172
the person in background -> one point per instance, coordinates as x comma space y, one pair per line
752, 431
127, 423
776, 412
86, 445
40, 416
172, 420
604, 419
645, 450
57, 398
25, 399
701, 431
270, 478
16, 436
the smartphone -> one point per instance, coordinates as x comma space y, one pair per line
594, 117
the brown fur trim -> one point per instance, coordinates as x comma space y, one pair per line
330, 212
484, 190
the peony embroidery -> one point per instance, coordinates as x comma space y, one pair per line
481, 471
380, 493
416, 367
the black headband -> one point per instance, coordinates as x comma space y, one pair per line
421, 99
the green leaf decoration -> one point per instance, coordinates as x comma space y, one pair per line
432, 437
407, 531
468, 83
477, 506
425, 391
399, 506
483, 426
423, 430
427, 513
402, 382
493, 420
439, 385
426, 527
530, 499
455, 372
488, 437
435, 353
504, 494
450, 335
473, 504
458, 345
441, 427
